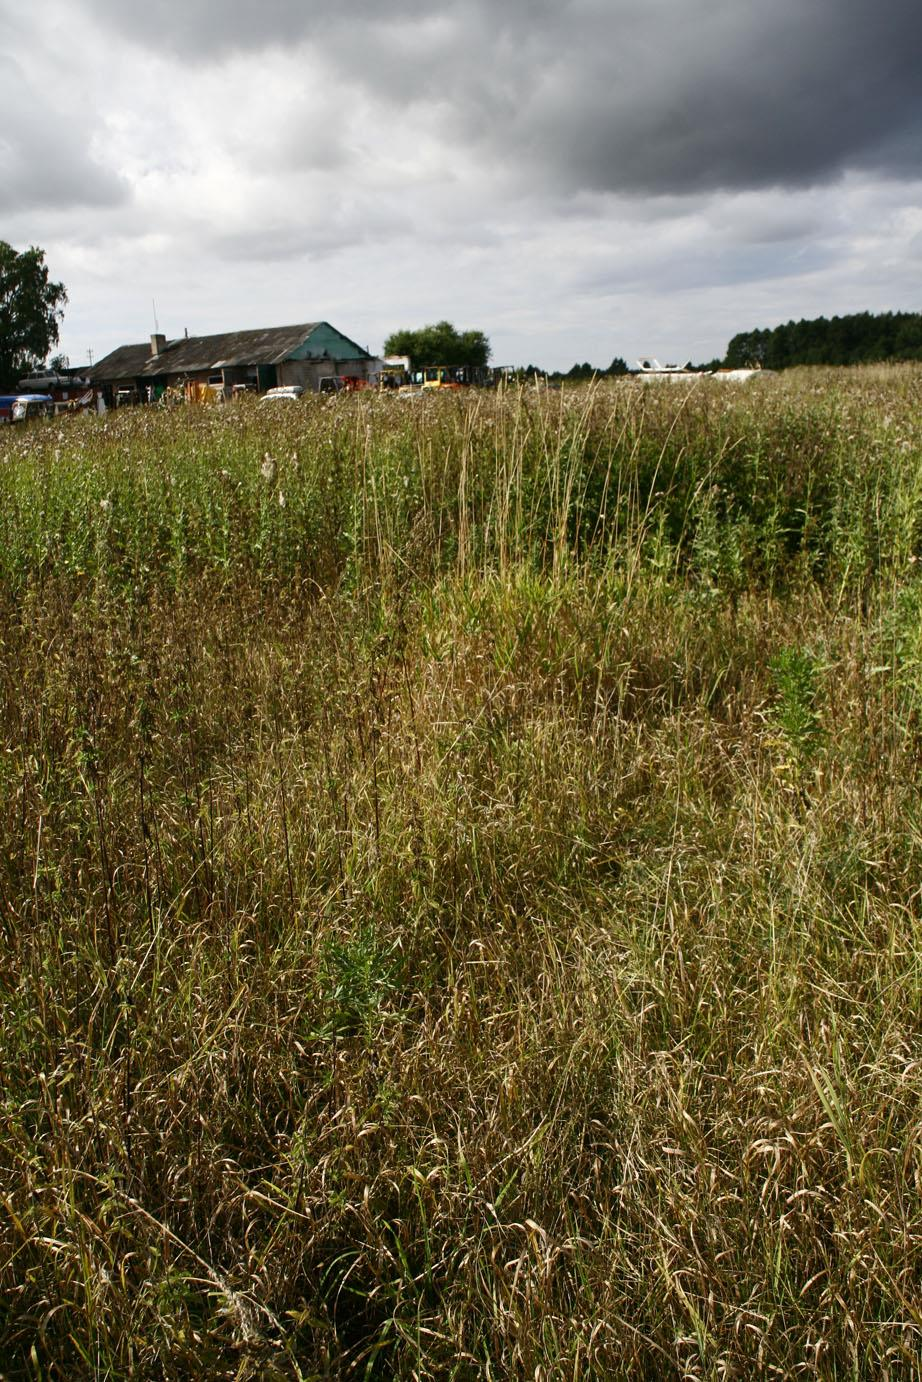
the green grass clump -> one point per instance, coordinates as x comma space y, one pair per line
459, 879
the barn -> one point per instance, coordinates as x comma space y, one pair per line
229, 362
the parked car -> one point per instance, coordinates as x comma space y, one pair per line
22, 407
282, 391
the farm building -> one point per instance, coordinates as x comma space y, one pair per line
257, 360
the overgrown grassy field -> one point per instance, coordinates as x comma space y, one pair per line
460, 875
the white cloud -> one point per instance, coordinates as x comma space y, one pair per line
46, 156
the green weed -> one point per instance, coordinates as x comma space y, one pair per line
459, 880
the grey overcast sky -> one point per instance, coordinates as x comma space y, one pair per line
579, 179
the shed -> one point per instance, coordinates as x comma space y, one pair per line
257, 360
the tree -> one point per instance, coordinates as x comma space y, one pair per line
849, 340
31, 307
439, 344
747, 350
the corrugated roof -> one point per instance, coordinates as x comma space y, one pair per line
191, 354
124, 363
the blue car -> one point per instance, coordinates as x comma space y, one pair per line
20, 407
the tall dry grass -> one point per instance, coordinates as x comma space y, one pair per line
460, 867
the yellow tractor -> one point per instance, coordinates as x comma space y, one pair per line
451, 376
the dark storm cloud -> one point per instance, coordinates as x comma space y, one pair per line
44, 160
730, 96
671, 96
199, 31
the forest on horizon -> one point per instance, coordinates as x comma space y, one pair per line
858, 338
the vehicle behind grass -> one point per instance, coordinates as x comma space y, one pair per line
282, 393
25, 407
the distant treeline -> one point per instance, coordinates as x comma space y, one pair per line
861, 338
858, 339
577, 373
